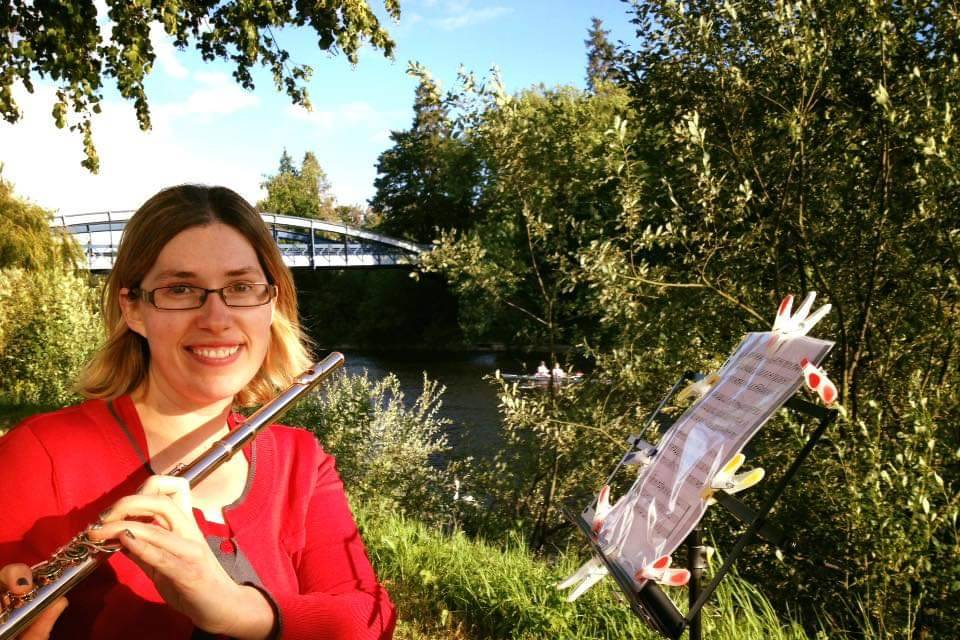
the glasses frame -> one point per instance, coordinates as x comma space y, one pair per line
149, 295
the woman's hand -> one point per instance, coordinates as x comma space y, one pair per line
18, 580
157, 530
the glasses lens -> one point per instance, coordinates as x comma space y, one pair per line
178, 297
245, 294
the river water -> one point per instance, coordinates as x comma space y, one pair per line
469, 402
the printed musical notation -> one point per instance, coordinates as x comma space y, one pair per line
669, 497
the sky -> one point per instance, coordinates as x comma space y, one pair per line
207, 129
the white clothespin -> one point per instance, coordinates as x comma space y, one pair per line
661, 573
728, 480
699, 388
818, 382
791, 325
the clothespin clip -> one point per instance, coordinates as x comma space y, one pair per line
728, 480
791, 325
818, 382
590, 573
642, 453
661, 573
699, 388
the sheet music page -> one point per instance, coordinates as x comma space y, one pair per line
669, 497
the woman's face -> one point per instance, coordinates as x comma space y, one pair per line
200, 357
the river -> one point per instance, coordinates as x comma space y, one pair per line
469, 402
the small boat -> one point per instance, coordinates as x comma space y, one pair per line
530, 381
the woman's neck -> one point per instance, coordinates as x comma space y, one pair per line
177, 434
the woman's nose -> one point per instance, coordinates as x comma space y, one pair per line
214, 313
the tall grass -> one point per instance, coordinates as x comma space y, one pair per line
446, 585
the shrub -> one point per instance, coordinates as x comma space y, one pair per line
387, 452
48, 330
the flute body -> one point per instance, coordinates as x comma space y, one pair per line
80, 557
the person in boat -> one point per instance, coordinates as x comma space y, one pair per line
542, 370
558, 372
201, 319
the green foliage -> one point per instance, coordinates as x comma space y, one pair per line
49, 323
768, 149
26, 239
386, 452
427, 180
299, 192
807, 148
63, 41
547, 194
501, 590
601, 56
48, 330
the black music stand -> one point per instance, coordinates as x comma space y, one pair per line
650, 603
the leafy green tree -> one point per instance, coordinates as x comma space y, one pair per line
26, 239
62, 41
427, 180
547, 194
805, 148
601, 56
303, 191
49, 324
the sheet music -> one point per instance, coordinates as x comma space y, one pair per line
669, 497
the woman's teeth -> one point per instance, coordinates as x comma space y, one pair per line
218, 353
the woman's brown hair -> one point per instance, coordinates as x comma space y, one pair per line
121, 364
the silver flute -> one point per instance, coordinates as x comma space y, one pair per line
78, 558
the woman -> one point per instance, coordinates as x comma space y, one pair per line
201, 315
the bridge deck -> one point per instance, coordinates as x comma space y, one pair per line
303, 242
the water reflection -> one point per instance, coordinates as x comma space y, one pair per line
469, 402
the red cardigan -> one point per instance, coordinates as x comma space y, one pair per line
291, 533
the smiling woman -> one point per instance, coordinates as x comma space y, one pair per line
201, 316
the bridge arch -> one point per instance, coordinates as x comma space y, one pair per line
304, 242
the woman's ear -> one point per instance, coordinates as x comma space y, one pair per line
130, 308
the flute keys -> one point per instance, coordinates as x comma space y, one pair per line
75, 553
47, 573
15, 600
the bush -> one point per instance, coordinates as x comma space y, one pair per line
49, 328
387, 453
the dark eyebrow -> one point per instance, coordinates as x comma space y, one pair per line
171, 273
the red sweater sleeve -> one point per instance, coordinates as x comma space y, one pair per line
31, 522
339, 593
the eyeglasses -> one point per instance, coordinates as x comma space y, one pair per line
182, 297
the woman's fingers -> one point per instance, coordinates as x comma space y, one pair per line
176, 488
160, 508
18, 580
43, 625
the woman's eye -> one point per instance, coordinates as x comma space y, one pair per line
179, 290
240, 287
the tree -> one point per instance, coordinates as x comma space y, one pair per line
427, 180
26, 239
601, 56
299, 192
49, 325
546, 195
808, 148
62, 41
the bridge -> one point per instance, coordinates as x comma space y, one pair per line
304, 242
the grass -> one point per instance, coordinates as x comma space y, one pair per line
448, 586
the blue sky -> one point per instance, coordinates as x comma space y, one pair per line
207, 129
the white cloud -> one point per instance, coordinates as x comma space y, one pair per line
218, 95
166, 53
468, 17
357, 115
43, 162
